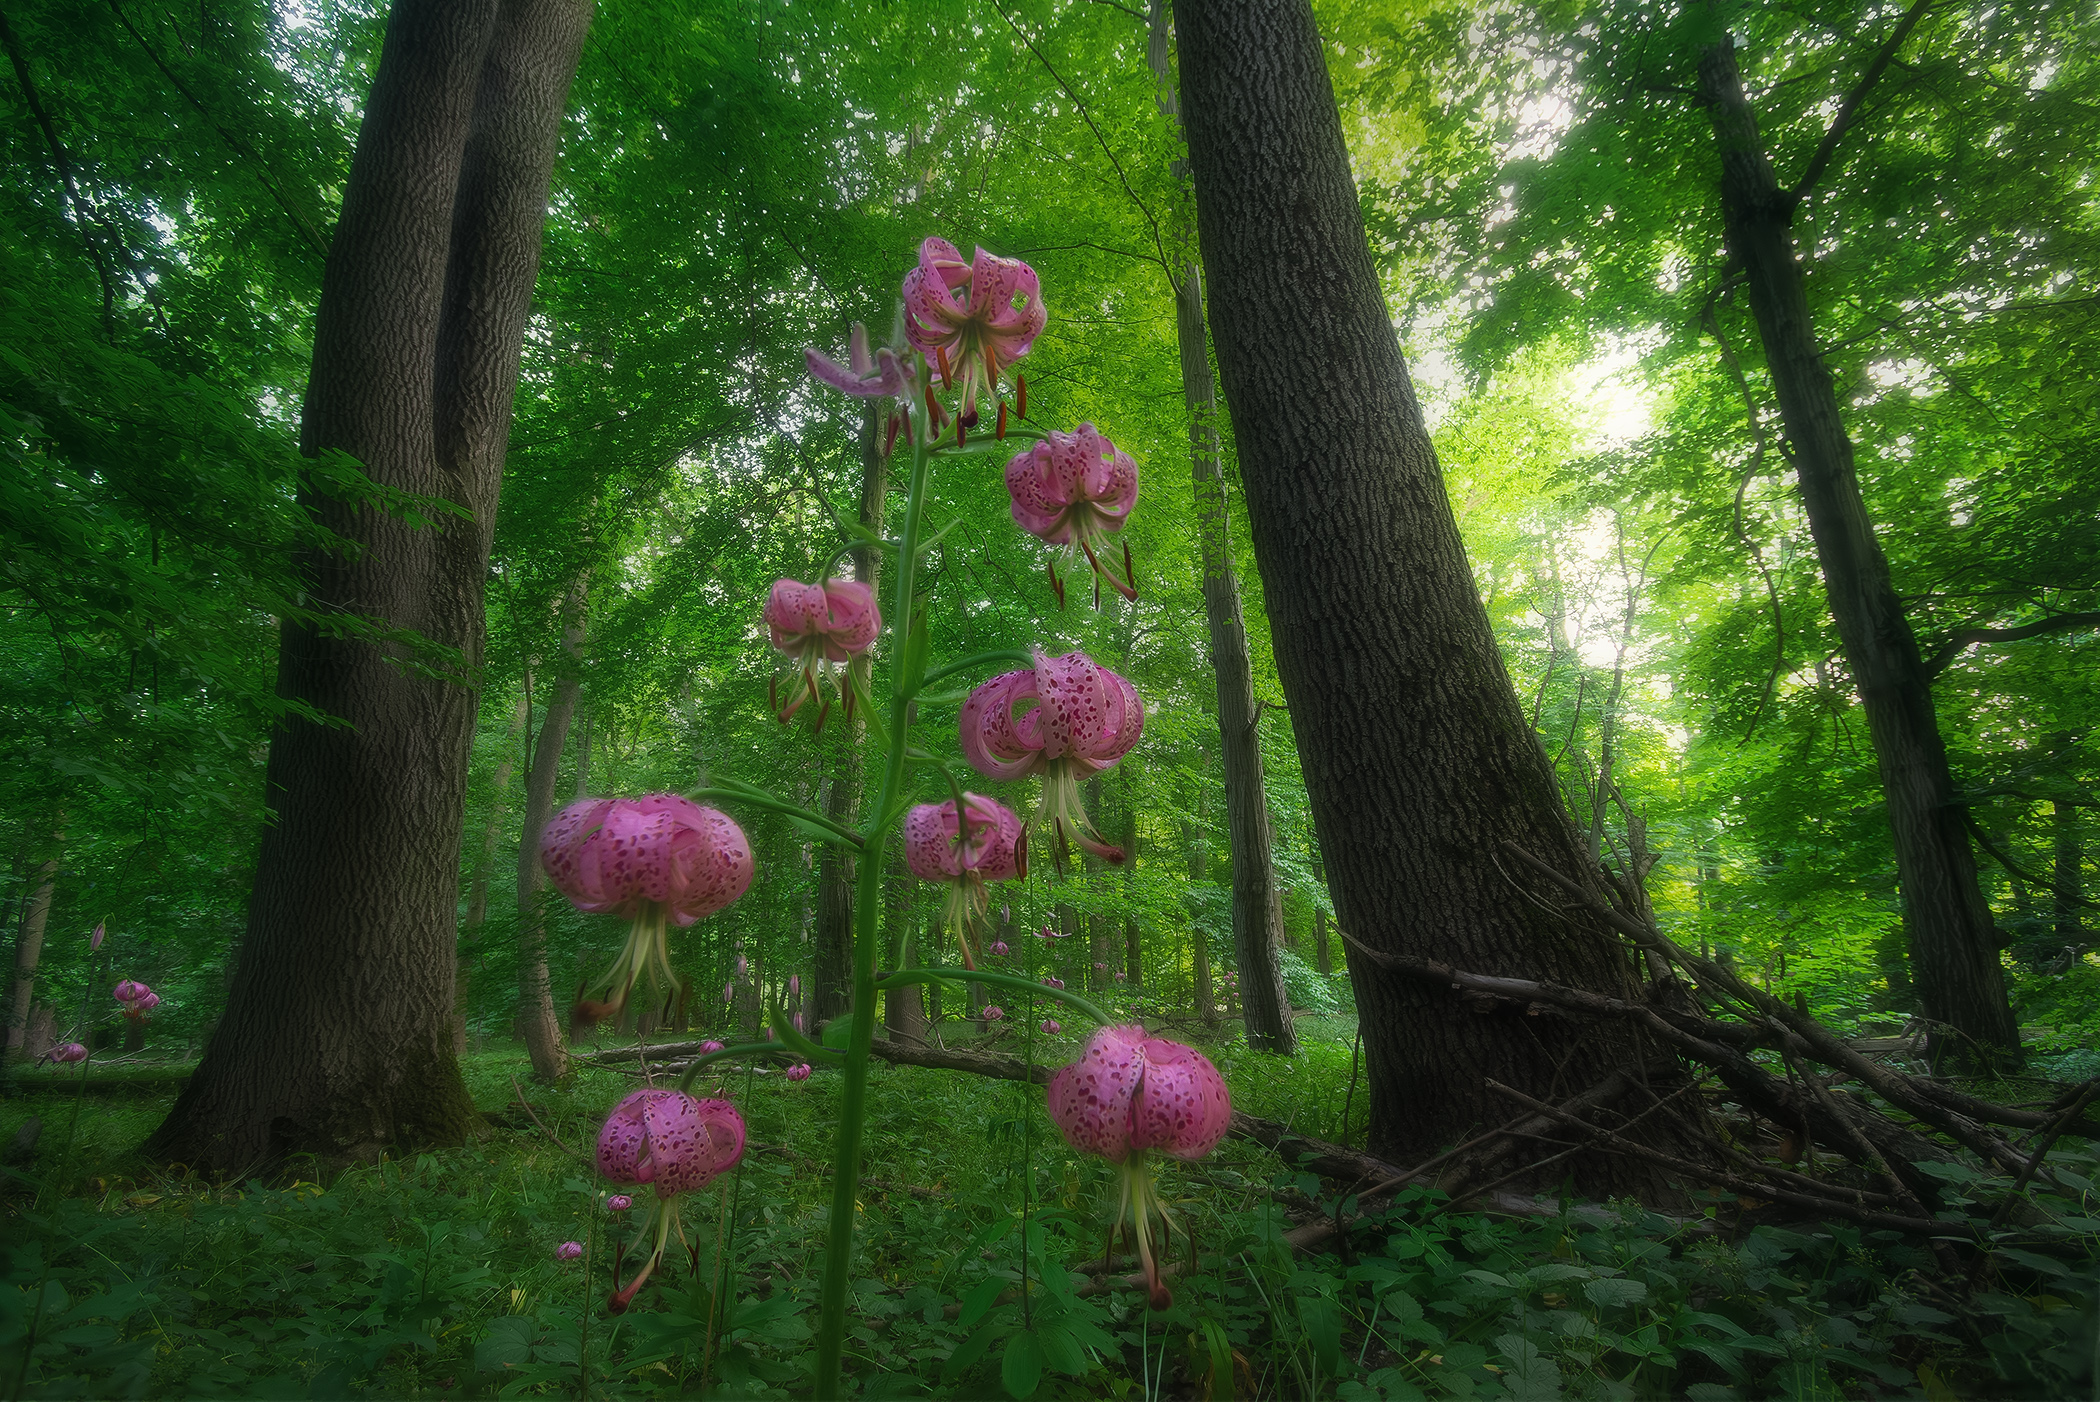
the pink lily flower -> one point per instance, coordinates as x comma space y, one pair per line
618, 1202
710, 1047
63, 1052
1073, 489
996, 849
568, 1251
659, 860
971, 320
864, 376
993, 1012
1052, 1026
999, 949
825, 629
679, 1144
1128, 1093
799, 1071
1085, 718
95, 940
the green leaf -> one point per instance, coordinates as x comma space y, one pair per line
979, 1298
1614, 1292
970, 1350
1021, 1370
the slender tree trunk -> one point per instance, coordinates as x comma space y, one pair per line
832, 983
1954, 949
29, 948
904, 1009
1418, 760
2069, 876
1257, 924
537, 1021
337, 1037
1199, 942
1133, 949
478, 885
583, 757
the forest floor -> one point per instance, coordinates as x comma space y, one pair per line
436, 1275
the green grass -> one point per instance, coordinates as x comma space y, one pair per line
434, 1275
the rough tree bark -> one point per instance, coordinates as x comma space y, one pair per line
1954, 948
1417, 758
29, 949
832, 983
537, 1022
1201, 992
337, 1035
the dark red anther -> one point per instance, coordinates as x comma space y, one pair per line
1021, 396
1000, 432
889, 437
940, 355
1055, 583
958, 432
1129, 570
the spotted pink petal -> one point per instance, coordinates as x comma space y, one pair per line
1072, 486
668, 1138
794, 612
609, 856
853, 622
1089, 1100
990, 739
1130, 1092
996, 850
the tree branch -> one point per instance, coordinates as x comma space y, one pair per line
1848, 110
1965, 638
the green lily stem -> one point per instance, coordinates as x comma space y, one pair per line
1004, 654
844, 836
867, 907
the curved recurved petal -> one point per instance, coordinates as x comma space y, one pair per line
562, 844
1039, 504
1075, 704
1006, 294
1090, 1100
853, 619
1184, 1108
931, 313
795, 611
714, 865
1124, 721
1111, 479
929, 847
990, 740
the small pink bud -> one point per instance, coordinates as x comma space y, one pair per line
794, 985
1006, 914
999, 948
729, 991
993, 1012
568, 1251
1120, 976
1052, 1026
743, 966
801, 1022
95, 940
618, 1202
799, 1071
709, 1047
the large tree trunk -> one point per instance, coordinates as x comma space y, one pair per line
337, 1037
1417, 758
537, 1022
1954, 949
831, 993
1204, 998
29, 950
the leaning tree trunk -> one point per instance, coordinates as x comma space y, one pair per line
1417, 757
1953, 945
831, 991
537, 1022
29, 950
337, 1036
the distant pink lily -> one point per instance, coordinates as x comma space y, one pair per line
1084, 719
1073, 489
659, 860
995, 849
824, 629
971, 320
